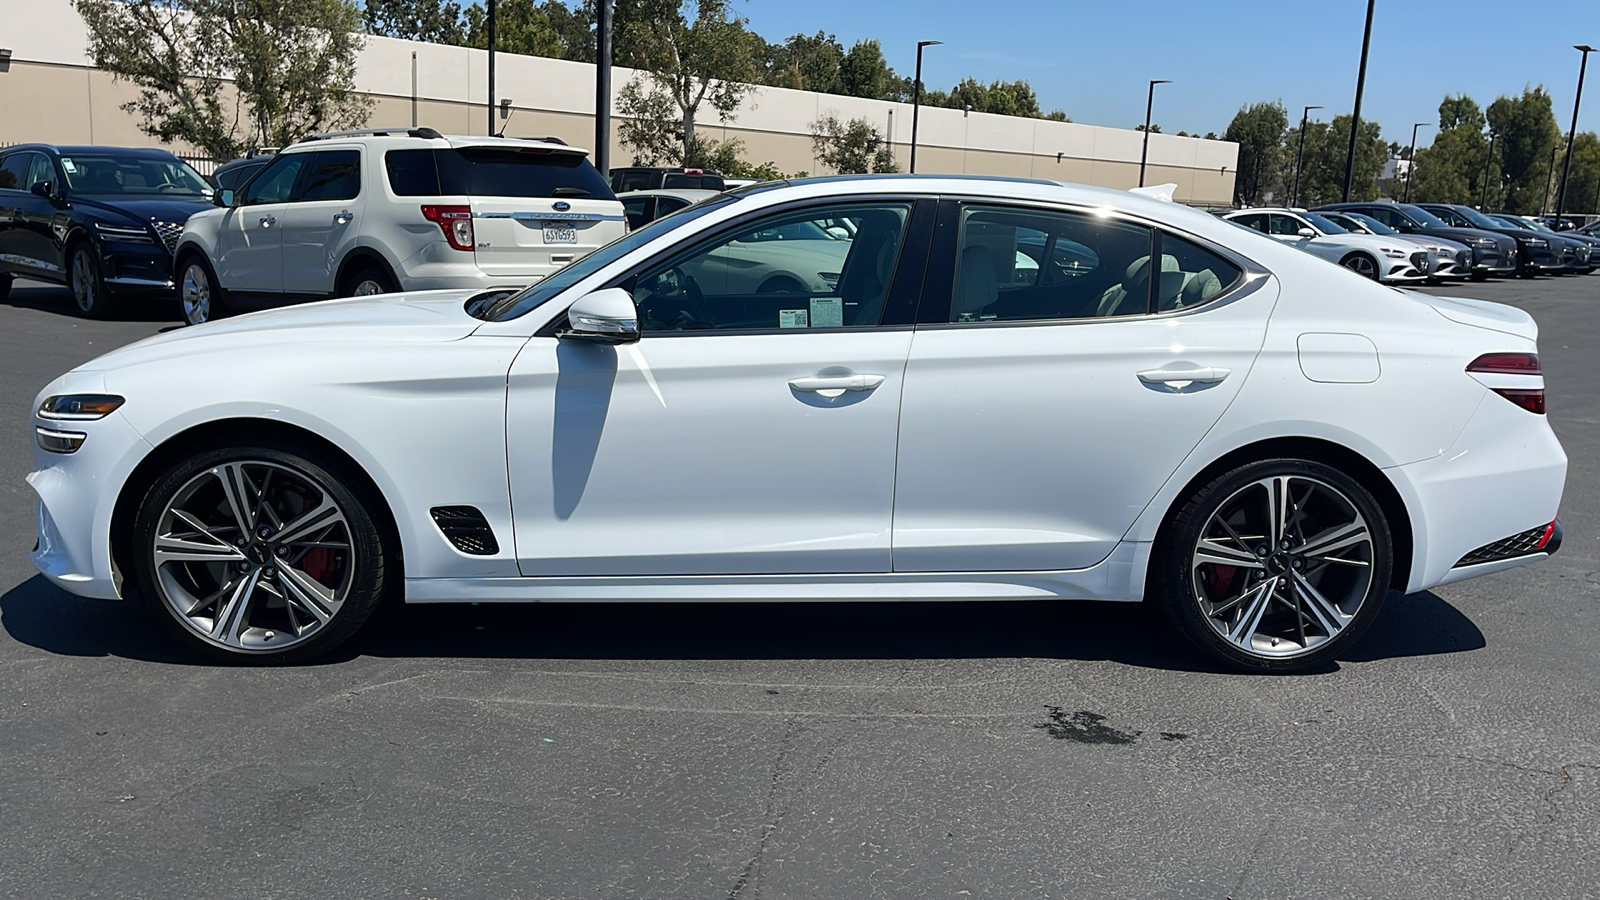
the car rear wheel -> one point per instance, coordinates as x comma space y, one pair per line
88, 288
366, 281
1275, 566
201, 298
1361, 264
261, 554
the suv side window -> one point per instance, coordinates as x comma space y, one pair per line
275, 184
14, 171
1451, 217
1388, 217
43, 170
826, 267
332, 175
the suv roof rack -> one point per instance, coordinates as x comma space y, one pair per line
548, 139
423, 132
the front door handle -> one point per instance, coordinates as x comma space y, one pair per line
268, 221
1195, 375
834, 385
342, 217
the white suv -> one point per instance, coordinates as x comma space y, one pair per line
381, 210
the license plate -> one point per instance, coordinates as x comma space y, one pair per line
560, 234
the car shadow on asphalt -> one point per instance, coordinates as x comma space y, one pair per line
57, 300
41, 615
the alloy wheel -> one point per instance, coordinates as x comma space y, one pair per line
1362, 266
83, 280
195, 292
1282, 566
367, 287
253, 555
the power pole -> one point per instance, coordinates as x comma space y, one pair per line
602, 87
1355, 116
1300, 156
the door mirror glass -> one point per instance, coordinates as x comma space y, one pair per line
606, 316
44, 189
222, 197
1306, 233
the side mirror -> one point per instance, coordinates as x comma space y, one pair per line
44, 189
606, 316
1307, 233
223, 197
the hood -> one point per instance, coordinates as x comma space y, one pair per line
1377, 242
421, 317
1481, 314
144, 209
1468, 235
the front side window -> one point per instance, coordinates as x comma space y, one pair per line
42, 171
14, 171
276, 181
1388, 217
1287, 225
824, 267
332, 175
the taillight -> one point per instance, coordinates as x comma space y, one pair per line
456, 222
1529, 398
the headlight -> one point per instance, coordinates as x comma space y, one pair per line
1536, 242
128, 234
1392, 253
79, 407
1485, 243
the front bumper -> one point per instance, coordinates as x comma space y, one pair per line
129, 269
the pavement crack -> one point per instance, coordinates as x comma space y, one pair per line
773, 815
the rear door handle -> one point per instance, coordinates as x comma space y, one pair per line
343, 217
268, 221
1197, 375
834, 385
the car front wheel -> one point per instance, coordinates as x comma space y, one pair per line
199, 295
88, 288
1362, 265
1275, 566
262, 554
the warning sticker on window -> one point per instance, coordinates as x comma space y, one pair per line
794, 318
69, 165
827, 312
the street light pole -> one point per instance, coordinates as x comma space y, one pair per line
1487, 160
602, 88
916, 101
1411, 164
1566, 168
1355, 116
489, 4
1300, 156
1148, 104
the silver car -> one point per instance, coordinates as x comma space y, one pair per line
1449, 259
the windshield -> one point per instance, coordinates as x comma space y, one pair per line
1326, 224
101, 173
1511, 222
1537, 225
1424, 218
535, 295
1371, 224
1477, 218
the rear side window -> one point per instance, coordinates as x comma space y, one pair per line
692, 182
332, 175
492, 172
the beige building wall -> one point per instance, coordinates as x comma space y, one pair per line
50, 93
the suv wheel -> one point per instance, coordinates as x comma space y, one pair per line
198, 292
5, 286
367, 279
83, 279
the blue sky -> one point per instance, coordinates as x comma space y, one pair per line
1094, 58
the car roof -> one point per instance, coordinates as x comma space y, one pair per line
431, 138
85, 149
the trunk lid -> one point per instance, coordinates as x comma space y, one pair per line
1481, 314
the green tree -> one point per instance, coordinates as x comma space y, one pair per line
1583, 185
291, 64
1004, 98
1259, 130
1455, 112
727, 158
1327, 143
1451, 169
851, 148
694, 61
432, 21
811, 63
520, 26
1525, 134
865, 73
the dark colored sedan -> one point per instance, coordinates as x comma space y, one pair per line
1538, 253
101, 220
1577, 250
1493, 253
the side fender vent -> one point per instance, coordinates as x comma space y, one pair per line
466, 529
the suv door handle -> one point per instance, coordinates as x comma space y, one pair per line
1198, 375
834, 385
268, 221
342, 217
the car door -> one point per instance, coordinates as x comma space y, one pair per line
745, 433
249, 243
1041, 414
25, 238
320, 223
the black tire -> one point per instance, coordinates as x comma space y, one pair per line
1177, 578
1355, 262
87, 285
194, 310
1479, 276
5, 286
362, 573
366, 275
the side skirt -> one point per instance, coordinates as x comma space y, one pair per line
1119, 577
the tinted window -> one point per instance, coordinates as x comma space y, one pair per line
1388, 217
1205, 274
14, 171
1255, 221
1326, 224
332, 175
756, 278
665, 205
487, 172
1026, 264
1288, 225
634, 181
275, 183
637, 210
42, 170
101, 173
681, 180
1427, 219
232, 178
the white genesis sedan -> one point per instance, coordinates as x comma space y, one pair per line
1160, 406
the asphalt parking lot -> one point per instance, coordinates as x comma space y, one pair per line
807, 751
